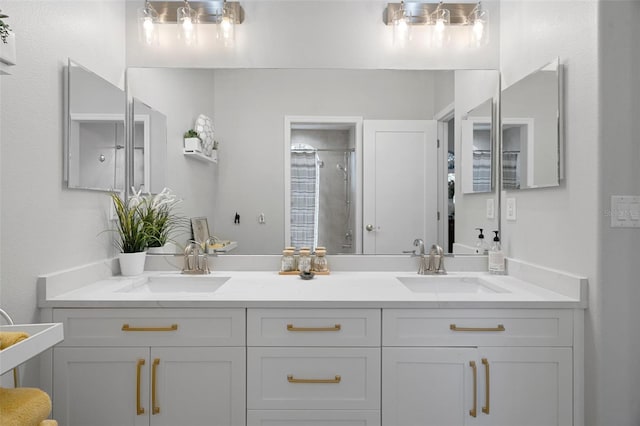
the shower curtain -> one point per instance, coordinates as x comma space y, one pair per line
305, 192
510, 170
481, 171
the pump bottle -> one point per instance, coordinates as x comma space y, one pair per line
496, 256
481, 246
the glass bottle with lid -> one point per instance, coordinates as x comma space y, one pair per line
288, 262
320, 263
304, 262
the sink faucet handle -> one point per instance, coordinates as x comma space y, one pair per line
420, 244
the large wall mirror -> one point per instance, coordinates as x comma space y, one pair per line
258, 152
532, 145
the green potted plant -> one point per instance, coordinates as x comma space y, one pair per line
160, 222
131, 238
192, 141
8, 43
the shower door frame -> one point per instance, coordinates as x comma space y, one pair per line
351, 121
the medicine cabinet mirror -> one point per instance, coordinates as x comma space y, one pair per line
95, 131
95, 138
532, 140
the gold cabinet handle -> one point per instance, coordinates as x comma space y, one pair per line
154, 382
454, 327
474, 411
291, 327
487, 389
292, 379
127, 327
139, 408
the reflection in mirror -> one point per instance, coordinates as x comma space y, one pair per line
149, 147
322, 186
249, 107
477, 143
531, 137
95, 137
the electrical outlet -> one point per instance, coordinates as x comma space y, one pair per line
490, 209
511, 209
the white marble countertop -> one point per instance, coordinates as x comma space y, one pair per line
348, 289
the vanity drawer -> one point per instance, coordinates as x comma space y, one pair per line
313, 378
313, 417
152, 327
313, 327
477, 327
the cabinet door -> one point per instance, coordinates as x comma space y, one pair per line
428, 386
198, 386
101, 386
526, 386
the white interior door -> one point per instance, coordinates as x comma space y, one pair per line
400, 184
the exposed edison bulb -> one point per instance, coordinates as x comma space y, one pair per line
401, 29
439, 26
226, 26
148, 28
478, 30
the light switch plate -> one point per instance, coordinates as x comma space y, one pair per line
625, 211
511, 209
491, 213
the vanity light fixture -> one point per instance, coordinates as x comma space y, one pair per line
148, 24
401, 22
189, 16
479, 20
187, 24
437, 18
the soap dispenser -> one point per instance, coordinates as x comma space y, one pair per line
481, 246
496, 256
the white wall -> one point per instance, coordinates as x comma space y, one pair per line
618, 277
558, 227
45, 227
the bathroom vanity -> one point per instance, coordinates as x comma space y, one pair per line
351, 348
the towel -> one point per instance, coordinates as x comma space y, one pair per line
23, 406
8, 338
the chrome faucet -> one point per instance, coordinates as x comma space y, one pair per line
436, 261
195, 261
419, 252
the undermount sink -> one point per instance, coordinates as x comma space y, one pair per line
449, 284
175, 284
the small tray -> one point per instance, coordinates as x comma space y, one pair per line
41, 338
298, 273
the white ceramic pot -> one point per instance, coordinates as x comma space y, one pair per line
193, 144
132, 264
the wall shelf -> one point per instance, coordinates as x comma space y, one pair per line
200, 156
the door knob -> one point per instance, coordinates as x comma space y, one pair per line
369, 227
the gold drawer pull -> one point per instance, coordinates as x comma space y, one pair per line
454, 327
291, 327
127, 327
154, 382
139, 408
487, 390
474, 411
291, 379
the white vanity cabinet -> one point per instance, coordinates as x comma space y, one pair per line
150, 367
494, 367
316, 367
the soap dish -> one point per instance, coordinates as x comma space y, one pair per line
306, 275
